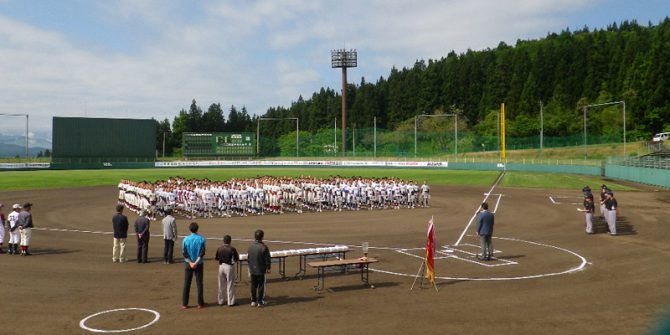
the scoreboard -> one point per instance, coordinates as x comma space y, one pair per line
219, 144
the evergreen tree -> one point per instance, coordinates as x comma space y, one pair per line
213, 120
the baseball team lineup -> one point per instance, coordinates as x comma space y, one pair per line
273, 195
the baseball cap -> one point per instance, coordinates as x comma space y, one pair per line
16, 206
27, 204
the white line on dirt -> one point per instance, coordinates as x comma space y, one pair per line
502, 174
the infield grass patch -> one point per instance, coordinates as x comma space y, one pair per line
558, 181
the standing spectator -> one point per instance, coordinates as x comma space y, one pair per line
169, 236
2, 228
227, 256
425, 194
611, 206
142, 231
589, 208
259, 265
25, 223
14, 234
120, 224
193, 249
485, 231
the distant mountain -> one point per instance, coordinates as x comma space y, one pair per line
12, 150
13, 145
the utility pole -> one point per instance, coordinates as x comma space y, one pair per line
541, 128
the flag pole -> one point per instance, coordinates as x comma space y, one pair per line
431, 241
423, 268
421, 272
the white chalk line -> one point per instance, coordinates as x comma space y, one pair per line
470, 258
564, 203
497, 203
400, 250
65, 230
580, 267
82, 323
500, 177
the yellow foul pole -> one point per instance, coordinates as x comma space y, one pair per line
502, 132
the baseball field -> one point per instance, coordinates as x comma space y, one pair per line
548, 276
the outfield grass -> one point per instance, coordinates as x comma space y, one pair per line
558, 181
26, 180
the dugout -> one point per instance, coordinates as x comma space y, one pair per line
101, 142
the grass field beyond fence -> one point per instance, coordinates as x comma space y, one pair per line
27, 180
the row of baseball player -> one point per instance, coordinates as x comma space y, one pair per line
241, 197
609, 209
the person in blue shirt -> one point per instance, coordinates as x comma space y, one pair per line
193, 249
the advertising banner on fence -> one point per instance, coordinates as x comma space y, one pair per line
301, 163
19, 166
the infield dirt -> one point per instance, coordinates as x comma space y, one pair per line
622, 289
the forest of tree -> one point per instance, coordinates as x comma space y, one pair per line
563, 71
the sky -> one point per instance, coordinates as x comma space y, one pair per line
151, 58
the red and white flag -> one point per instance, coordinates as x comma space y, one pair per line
430, 252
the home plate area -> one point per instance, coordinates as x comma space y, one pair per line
514, 259
465, 252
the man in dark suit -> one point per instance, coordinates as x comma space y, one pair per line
259, 265
485, 231
120, 225
142, 231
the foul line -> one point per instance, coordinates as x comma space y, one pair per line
399, 250
502, 174
215, 238
552, 198
580, 267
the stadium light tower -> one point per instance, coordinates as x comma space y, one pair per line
344, 59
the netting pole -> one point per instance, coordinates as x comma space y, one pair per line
27, 134
415, 136
624, 128
456, 136
335, 136
375, 138
258, 135
541, 128
353, 137
584, 132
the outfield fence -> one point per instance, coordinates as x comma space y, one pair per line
371, 143
650, 169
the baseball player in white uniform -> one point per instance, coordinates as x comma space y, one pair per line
2, 227
14, 234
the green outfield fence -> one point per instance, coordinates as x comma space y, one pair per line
371, 142
650, 169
